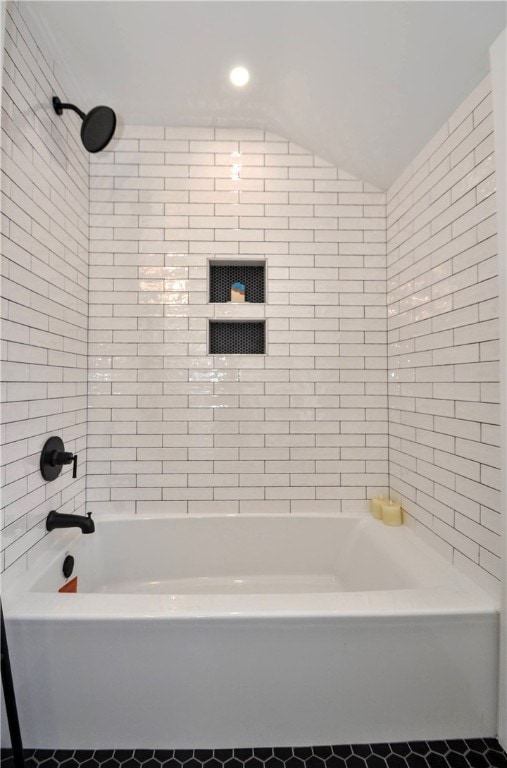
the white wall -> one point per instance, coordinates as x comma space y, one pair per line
498, 58
172, 428
44, 293
442, 301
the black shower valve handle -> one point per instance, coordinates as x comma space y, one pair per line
58, 458
54, 457
66, 458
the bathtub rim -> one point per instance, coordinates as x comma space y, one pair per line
460, 597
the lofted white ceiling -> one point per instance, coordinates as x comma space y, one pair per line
362, 84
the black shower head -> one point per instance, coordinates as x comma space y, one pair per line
98, 125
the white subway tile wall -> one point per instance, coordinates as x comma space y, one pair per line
307, 427
44, 294
172, 428
442, 303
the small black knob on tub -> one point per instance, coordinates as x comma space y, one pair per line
68, 566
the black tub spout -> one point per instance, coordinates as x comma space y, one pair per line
61, 520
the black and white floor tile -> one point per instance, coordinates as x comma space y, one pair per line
472, 753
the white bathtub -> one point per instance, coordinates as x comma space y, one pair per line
250, 631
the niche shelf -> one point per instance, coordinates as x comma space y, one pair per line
233, 337
238, 328
222, 274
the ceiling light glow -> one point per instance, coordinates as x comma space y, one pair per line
239, 76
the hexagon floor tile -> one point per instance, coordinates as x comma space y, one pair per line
472, 753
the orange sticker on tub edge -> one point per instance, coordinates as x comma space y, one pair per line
71, 586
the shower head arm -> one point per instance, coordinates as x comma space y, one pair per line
59, 107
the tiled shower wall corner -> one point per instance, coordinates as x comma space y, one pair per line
44, 293
442, 296
302, 428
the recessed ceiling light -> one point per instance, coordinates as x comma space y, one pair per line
239, 76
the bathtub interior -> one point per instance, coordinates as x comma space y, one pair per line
246, 555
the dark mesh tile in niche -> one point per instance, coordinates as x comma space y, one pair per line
243, 754
231, 338
222, 276
284, 752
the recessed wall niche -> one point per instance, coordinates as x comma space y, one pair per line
228, 337
222, 274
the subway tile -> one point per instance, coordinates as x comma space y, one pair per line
458, 410
303, 428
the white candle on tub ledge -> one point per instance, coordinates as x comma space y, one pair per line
391, 513
376, 506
